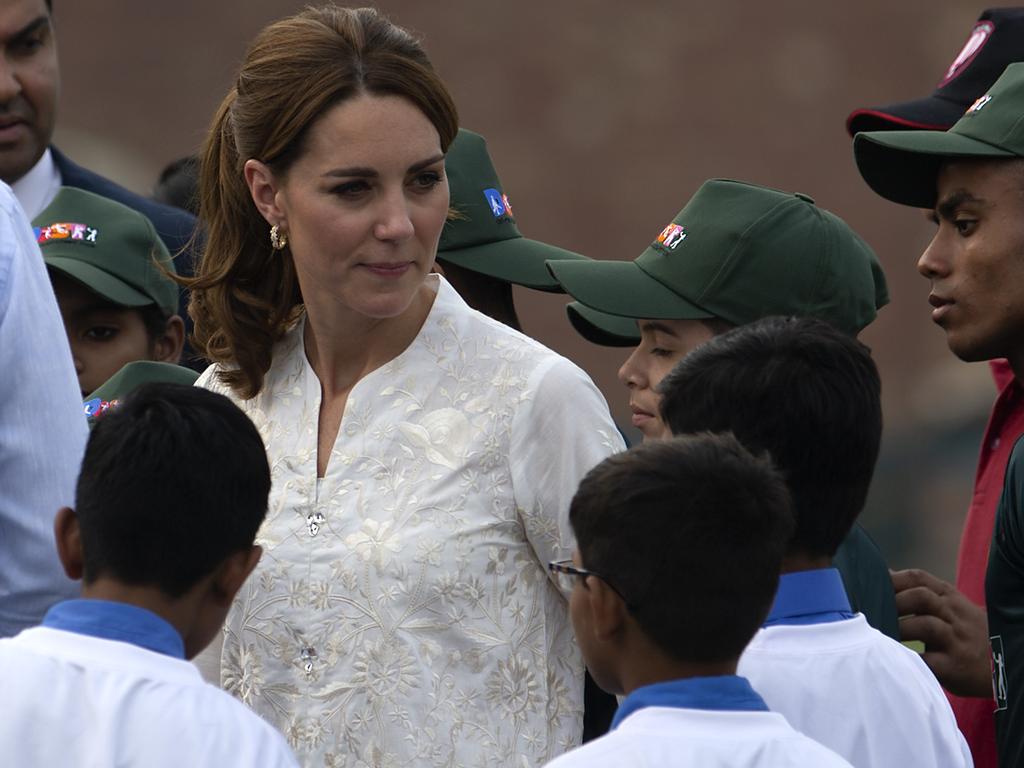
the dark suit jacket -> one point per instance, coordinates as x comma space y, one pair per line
173, 225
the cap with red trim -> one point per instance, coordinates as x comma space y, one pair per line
996, 41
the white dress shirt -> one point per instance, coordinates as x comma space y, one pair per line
858, 692
37, 188
402, 613
74, 700
667, 737
42, 427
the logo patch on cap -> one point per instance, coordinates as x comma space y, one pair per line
60, 231
978, 104
498, 203
671, 236
97, 407
979, 36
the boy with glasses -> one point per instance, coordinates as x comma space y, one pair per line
662, 613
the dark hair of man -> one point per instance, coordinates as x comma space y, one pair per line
174, 480
691, 532
807, 394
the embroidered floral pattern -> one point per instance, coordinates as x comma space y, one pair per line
417, 625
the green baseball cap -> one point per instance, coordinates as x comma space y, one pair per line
739, 252
903, 166
131, 376
110, 248
484, 237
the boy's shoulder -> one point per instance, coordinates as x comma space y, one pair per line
662, 736
68, 685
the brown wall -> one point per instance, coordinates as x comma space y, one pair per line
602, 118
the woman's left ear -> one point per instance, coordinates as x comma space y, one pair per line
263, 187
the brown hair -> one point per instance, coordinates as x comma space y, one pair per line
245, 295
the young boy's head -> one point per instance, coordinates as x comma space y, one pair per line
106, 264
682, 540
807, 394
173, 488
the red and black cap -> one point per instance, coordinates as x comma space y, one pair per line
996, 40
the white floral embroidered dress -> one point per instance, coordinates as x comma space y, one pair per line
401, 614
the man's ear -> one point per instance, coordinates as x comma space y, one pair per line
167, 348
69, 543
233, 572
608, 613
263, 187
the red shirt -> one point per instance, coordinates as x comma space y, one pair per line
1005, 425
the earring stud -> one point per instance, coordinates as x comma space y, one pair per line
278, 239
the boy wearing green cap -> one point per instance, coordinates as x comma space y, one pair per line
736, 253
482, 252
109, 271
972, 178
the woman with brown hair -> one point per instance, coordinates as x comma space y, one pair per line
423, 455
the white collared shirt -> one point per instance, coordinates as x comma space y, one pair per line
858, 692
656, 737
402, 613
75, 700
37, 188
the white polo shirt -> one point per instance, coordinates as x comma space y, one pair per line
848, 686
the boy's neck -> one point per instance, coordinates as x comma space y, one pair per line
651, 665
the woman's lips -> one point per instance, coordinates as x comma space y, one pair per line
389, 269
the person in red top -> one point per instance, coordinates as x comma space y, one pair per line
950, 620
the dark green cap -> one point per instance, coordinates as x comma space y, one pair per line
903, 166
108, 247
484, 238
739, 252
131, 376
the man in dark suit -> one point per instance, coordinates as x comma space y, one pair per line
35, 170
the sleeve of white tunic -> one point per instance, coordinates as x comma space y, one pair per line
42, 427
559, 434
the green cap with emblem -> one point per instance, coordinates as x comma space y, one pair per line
903, 166
110, 248
129, 378
483, 236
737, 252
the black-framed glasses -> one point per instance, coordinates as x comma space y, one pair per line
565, 573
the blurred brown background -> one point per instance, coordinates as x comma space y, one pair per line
602, 119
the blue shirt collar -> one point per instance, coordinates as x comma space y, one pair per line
724, 692
116, 621
810, 597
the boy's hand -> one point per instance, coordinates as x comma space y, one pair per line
953, 629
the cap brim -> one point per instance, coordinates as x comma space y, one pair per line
903, 166
931, 113
622, 288
600, 328
96, 280
517, 260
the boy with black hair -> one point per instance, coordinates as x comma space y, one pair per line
809, 395
104, 680
662, 613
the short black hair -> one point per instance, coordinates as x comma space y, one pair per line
174, 480
801, 390
178, 184
691, 532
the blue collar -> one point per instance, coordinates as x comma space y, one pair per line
116, 621
810, 597
725, 692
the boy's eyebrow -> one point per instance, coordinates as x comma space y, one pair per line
655, 327
369, 173
948, 206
